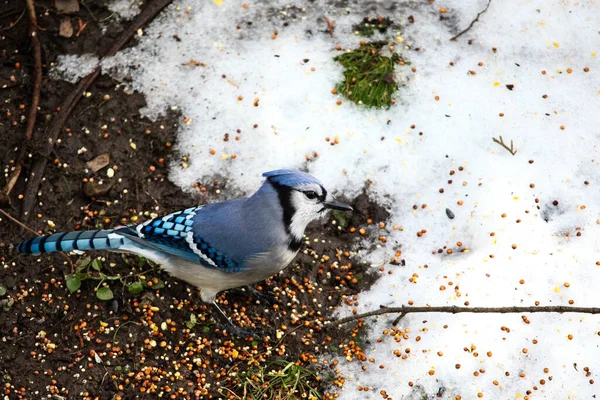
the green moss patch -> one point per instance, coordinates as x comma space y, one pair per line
369, 76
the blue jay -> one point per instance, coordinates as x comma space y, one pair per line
217, 246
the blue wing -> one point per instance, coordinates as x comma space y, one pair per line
173, 234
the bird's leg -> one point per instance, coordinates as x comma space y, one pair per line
234, 329
224, 318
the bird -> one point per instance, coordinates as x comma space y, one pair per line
216, 246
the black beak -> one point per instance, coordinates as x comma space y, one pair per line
336, 205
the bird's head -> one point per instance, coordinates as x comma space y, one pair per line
303, 199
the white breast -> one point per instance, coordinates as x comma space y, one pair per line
266, 264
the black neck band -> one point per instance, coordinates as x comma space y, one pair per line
285, 199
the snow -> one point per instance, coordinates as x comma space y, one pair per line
126, 9
73, 67
519, 216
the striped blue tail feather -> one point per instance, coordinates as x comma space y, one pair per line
171, 235
68, 241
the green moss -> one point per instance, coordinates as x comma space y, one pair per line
281, 380
369, 76
368, 26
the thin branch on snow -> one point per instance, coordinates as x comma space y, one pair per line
479, 14
510, 149
330, 25
403, 310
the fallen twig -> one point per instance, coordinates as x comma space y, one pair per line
35, 101
479, 14
22, 225
16, 221
82, 26
37, 78
510, 149
36, 171
330, 25
12, 11
403, 310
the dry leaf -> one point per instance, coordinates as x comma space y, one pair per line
66, 6
194, 63
99, 162
94, 189
66, 28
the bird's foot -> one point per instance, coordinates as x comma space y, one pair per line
264, 297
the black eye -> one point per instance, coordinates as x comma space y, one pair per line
310, 194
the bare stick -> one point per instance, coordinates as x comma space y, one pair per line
510, 149
37, 80
403, 310
36, 171
479, 14
330, 25
16, 221
398, 319
22, 225
35, 101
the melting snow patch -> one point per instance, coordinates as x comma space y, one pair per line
127, 9
72, 68
254, 85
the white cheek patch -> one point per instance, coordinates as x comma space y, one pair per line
306, 211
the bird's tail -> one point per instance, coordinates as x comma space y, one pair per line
105, 239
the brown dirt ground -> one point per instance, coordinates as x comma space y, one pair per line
53, 343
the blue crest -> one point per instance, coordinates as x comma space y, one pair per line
291, 177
